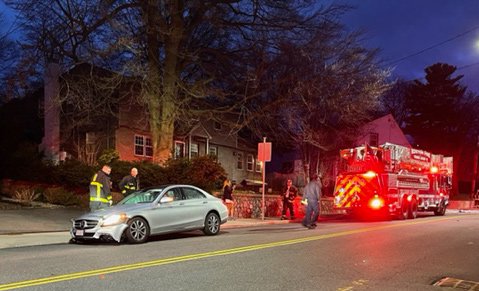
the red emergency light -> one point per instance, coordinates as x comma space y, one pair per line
376, 202
369, 174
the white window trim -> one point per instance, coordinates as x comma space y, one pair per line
215, 150
144, 138
258, 166
239, 158
184, 149
250, 163
197, 152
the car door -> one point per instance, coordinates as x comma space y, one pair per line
197, 206
169, 216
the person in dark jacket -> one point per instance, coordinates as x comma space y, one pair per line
289, 194
312, 195
130, 183
228, 197
100, 189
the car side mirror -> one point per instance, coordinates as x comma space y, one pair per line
166, 199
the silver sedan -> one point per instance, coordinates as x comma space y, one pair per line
158, 210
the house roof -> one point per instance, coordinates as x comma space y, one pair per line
386, 128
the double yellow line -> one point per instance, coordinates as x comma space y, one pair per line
141, 265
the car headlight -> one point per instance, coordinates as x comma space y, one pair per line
114, 219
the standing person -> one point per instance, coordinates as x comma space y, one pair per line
289, 194
130, 183
228, 197
100, 187
312, 192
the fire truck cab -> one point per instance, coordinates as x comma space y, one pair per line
393, 180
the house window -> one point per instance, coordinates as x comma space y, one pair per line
249, 162
374, 139
239, 161
259, 166
213, 151
194, 150
143, 146
217, 125
179, 150
91, 146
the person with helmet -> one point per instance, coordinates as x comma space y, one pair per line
100, 189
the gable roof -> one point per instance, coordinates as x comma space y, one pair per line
386, 128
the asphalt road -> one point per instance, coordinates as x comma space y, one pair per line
337, 255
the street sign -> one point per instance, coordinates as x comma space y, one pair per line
264, 151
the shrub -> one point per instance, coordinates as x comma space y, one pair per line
205, 173
61, 196
26, 194
72, 173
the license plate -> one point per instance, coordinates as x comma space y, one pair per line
79, 232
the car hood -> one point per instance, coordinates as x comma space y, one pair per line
127, 208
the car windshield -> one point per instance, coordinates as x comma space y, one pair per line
143, 196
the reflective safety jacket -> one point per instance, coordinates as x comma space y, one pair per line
100, 188
129, 184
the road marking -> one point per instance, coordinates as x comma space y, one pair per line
159, 262
457, 284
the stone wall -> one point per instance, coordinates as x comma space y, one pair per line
249, 206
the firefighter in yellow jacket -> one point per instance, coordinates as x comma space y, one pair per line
100, 189
130, 183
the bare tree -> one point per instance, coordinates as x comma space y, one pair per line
8, 57
329, 86
210, 58
394, 101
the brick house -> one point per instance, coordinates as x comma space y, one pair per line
126, 130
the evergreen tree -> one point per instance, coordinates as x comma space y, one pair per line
434, 108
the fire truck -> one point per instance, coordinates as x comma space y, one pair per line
392, 179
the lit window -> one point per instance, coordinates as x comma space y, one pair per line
143, 146
249, 162
239, 161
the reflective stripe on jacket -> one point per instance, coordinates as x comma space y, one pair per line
100, 188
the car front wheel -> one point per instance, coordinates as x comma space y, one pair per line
138, 230
212, 224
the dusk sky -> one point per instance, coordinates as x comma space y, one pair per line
406, 27
402, 28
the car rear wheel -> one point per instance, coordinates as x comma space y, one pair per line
212, 224
138, 230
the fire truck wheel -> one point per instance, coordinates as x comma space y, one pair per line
403, 212
441, 210
412, 213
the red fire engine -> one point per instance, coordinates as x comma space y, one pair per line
394, 180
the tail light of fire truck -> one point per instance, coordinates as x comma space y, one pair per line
434, 170
376, 202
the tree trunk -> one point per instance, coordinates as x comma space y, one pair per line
161, 96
